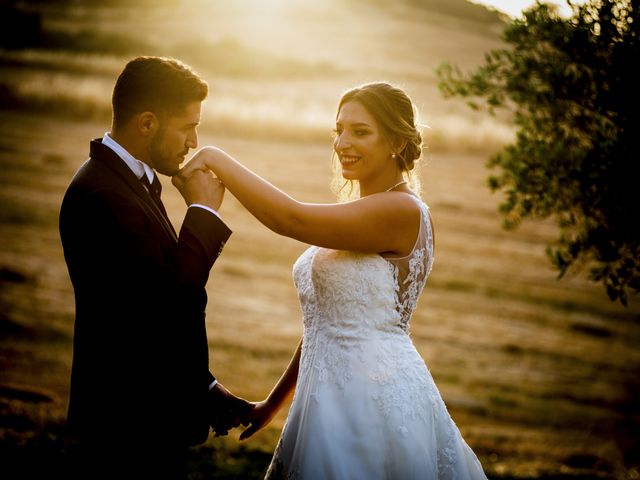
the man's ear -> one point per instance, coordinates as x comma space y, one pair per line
147, 124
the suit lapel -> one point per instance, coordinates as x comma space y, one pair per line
109, 158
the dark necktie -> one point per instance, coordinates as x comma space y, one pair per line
155, 189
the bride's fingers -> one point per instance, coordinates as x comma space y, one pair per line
186, 172
192, 165
249, 431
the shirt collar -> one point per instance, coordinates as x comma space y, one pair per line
138, 167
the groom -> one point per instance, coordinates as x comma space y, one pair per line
141, 390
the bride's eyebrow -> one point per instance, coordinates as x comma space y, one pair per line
360, 125
355, 125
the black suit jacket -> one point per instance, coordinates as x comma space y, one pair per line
140, 356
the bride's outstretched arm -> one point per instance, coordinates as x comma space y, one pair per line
264, 411
382, 222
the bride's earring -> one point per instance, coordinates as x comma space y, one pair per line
393, 155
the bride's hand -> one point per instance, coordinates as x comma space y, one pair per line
189, 168
203, 159
200, 187
260, 416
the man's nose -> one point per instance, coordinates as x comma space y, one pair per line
192, 140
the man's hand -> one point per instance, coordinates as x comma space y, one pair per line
227, 411
200, 187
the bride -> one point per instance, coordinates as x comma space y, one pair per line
364, 403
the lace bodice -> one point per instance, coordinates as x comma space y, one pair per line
353, 290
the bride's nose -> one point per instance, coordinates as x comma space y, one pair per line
341, 142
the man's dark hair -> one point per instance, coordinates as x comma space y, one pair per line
164, 86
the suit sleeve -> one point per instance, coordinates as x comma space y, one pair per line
201, 240
202, 236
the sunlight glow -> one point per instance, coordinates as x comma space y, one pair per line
514, 8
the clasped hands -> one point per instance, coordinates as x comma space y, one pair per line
228, 411
197, 184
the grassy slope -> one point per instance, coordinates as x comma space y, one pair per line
540, 375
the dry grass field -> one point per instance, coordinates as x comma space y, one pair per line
541, 375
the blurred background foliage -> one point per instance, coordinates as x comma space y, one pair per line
572, 87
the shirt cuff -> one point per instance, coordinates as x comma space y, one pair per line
206, 208
213, 384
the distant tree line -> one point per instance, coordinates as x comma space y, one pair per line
21, 26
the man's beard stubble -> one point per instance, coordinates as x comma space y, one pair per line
161, 158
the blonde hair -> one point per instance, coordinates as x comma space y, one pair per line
396, 115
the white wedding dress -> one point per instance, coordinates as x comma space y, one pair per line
365, 405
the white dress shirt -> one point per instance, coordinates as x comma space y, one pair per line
140, 168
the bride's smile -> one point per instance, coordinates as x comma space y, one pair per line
348, 160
